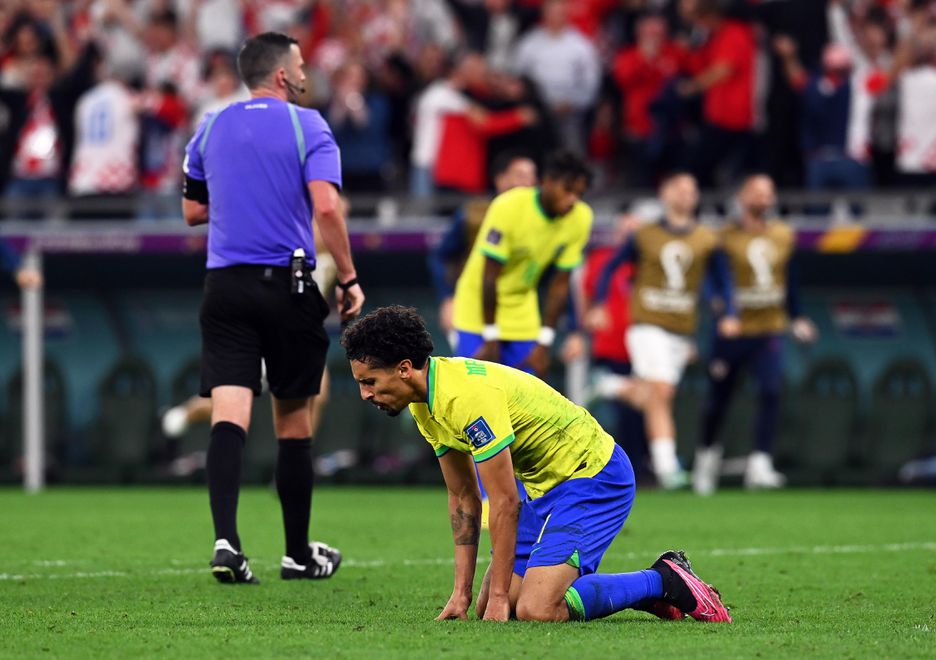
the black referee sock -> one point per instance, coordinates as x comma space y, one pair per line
224, 474
294, 479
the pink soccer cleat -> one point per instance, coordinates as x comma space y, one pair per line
660, 608
683, 589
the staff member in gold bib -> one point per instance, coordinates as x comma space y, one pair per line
760, 251
672, 258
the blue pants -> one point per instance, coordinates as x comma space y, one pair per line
513, 353
764, 355
576, 521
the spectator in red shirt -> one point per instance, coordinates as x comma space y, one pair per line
641, 72
726, 80
465, 129
587, 15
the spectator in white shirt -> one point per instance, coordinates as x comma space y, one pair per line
107, 130
565, 66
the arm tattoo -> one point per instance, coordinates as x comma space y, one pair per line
466, 527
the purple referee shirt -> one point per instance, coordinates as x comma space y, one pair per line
259, 208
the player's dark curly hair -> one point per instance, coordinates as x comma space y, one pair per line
387, 336
567, 165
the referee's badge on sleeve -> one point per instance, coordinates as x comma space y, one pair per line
494, 237
479, 433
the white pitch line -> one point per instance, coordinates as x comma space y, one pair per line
795, 550
447, 561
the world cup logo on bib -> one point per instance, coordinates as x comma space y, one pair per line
676, 257
762, 256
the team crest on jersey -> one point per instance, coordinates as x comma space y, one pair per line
479, 433
494, 237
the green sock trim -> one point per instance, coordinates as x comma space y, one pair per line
574, 561
574, 603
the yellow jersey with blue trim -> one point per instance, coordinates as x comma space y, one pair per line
518, 233
481, 408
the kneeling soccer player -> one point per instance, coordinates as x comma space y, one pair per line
580, 484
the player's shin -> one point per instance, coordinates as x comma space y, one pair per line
598, 595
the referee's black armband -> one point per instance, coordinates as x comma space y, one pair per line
195, 190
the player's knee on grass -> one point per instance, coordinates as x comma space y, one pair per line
542, 593
531, 608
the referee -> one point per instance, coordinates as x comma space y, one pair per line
257, 172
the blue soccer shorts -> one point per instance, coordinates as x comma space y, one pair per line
575, 522
513, 353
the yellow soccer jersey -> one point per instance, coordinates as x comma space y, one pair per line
479, 408
517, 233
759, 269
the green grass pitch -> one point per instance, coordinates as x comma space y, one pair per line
123, 573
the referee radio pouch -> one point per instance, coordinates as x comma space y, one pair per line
300, 274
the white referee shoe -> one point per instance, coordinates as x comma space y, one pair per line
323, 561
760, 473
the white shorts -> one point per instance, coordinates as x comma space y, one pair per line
656, 354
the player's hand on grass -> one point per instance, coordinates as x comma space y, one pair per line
538, 360
729, 327
498, 609
490, 351
456, 608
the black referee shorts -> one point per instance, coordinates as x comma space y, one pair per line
249, 313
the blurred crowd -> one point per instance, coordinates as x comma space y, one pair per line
97, 97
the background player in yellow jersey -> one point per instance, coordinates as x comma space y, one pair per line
446, 261
580, 485
671, 257
760, 252
525, 230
